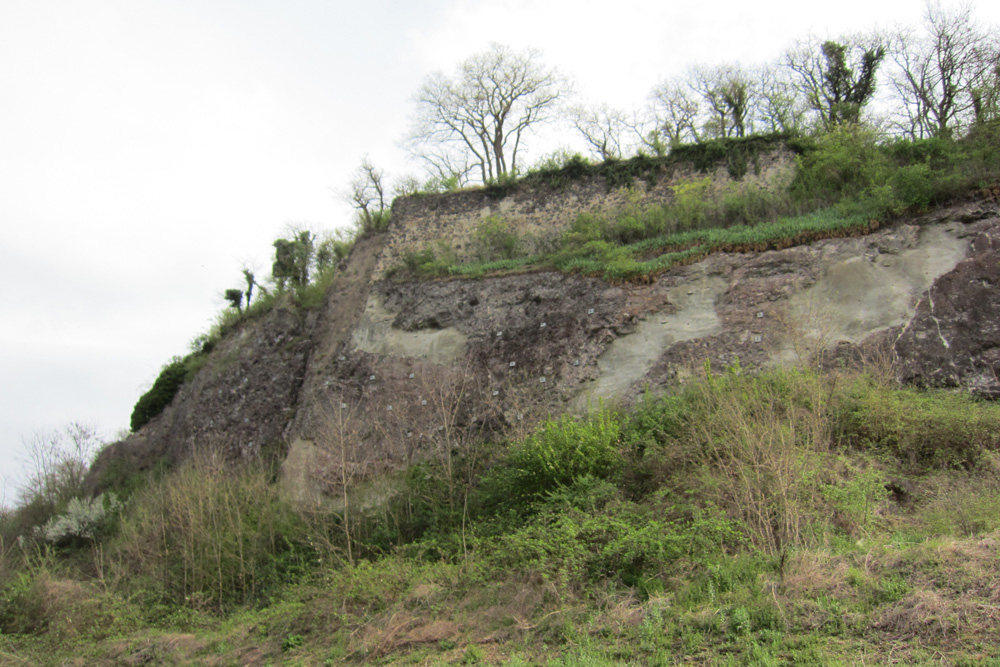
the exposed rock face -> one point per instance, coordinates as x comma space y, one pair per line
257, 384
240, 402
390, 372
954, 338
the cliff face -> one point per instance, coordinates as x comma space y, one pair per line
390, 372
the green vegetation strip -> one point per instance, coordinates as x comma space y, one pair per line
792, 517
620, 262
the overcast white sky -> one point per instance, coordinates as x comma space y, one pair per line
147, 149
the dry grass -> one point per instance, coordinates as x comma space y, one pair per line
932, 617
962, 505
67, 610
813, 573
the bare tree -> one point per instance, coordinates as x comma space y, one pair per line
406, 185
940, 71
484, 112
605, 129
837, 79
340, 464
367, 193
779, 107
342, 437
58, 463
449, 165
675, 108
459, 406
986, 98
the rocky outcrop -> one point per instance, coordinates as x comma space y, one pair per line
954, 338
240, 403
390, 372
258, 385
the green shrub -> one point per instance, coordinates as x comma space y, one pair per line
738, 155
414, 259
494, 239
856, 498
623, 173
922, 428
21, 609
565, 450
501, 186
584, 228
625, 229
845, 162
913, 185
333, 249
586, 532
430, 261
750, 203
159, 396
691, 204
559, 169
372, 222
570, 547
313, 294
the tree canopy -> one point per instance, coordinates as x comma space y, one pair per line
476, 120
943, 71
837, 78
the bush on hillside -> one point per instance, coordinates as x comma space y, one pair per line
83, 520
159, 396
923, 429
495, 239
559, 453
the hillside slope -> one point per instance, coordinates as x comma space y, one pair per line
502, 352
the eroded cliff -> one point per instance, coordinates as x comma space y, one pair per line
388, 371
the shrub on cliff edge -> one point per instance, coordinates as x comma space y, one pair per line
159, 396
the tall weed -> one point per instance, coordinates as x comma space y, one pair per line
750, 445
210, 536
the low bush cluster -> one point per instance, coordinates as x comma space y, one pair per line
923, 428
